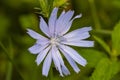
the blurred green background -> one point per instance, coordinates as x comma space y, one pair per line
16, 63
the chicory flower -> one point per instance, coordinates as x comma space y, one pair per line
57, 42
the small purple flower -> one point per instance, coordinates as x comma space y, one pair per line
50, 48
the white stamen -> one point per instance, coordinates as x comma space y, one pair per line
54, 41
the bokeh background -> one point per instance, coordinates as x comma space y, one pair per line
16, 63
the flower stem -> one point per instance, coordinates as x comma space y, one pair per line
10, 61
104, 32
94, 14
9, 71
9, 67
5, 51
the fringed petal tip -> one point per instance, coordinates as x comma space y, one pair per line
78, 16
32, 51
89, 28
33, 34
84, 63
29, 31
37, 62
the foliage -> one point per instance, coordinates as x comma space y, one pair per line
16, 63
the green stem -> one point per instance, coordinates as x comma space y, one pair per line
9, 71
103, 44
114, 55
10, 64
104, 32
9, 67
94, 14
5, 50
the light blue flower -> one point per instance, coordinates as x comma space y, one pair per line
56, 43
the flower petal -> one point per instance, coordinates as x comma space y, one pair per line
78, 37
82, 33
73, 54
82, 43
67, 17
52, 21
47, 64
44, 27
42, 42
35, 35
71, 61
37, 48
68, 25
64, 68
63, 20
56, 60
58, 23
42, 55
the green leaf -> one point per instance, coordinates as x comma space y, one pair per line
105, 70
92, 56
45, 7
103, 44
116, 39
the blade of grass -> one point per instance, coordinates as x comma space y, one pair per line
103, 32
94, 14
103, 44
10, 64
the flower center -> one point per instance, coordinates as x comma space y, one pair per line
54, 41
